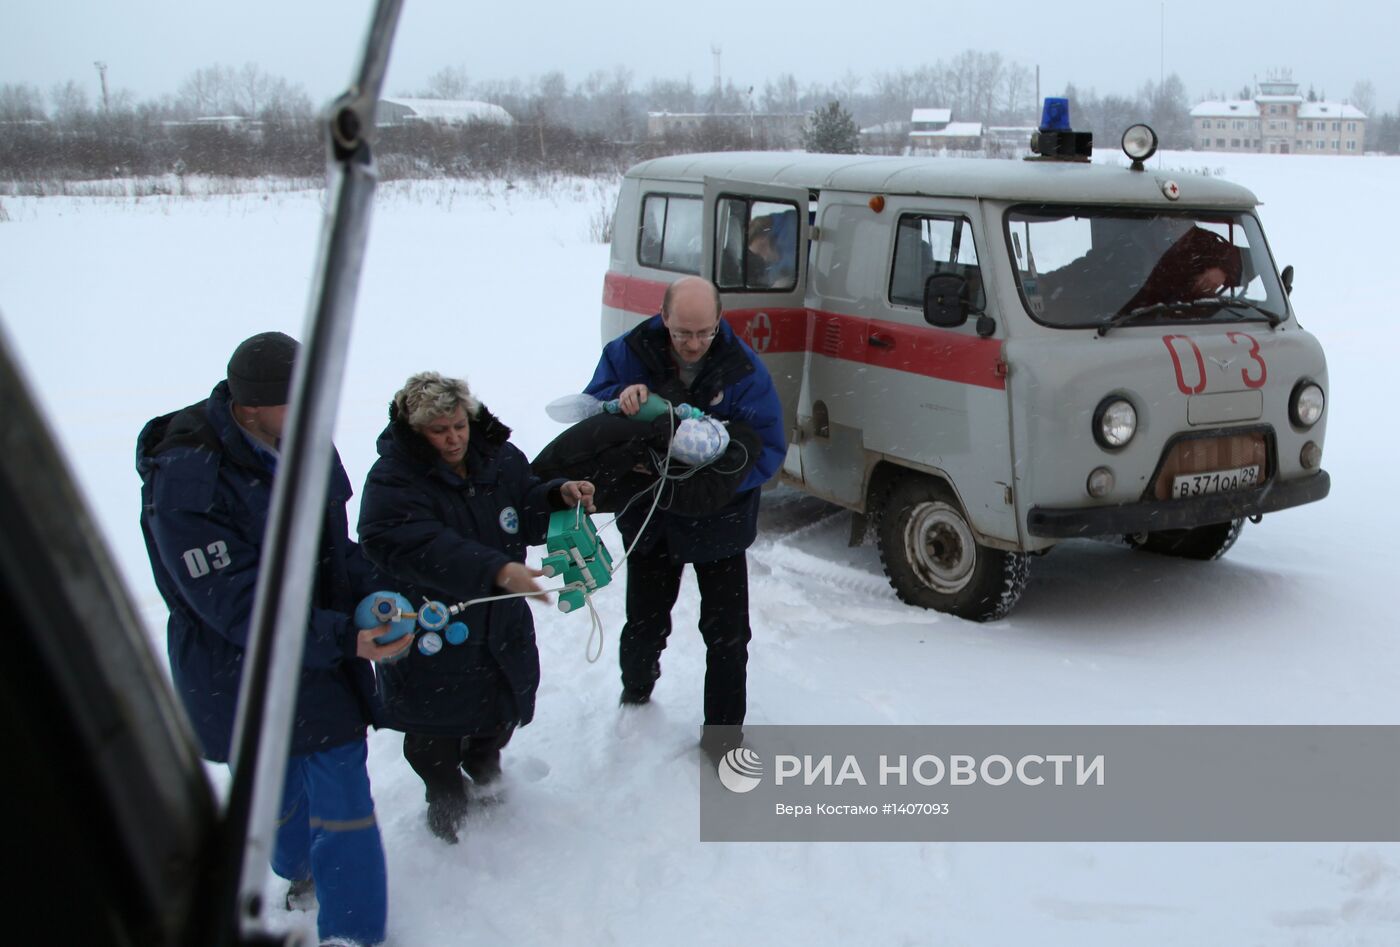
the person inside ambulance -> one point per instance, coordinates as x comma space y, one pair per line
1198, 264
772, 256
1139, 262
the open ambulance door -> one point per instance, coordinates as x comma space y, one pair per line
756, 239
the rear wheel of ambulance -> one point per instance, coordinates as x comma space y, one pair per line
933, 559
1202, 542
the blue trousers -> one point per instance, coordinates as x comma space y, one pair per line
327, 830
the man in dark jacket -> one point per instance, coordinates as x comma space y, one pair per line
688, 354
206, 487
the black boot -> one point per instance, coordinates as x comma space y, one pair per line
484, 767
716, 741
301, 894
634, 697
445, 815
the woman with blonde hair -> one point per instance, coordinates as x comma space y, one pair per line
448, 511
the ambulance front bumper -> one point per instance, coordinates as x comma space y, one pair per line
1148, 516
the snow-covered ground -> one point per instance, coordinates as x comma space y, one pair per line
123, 308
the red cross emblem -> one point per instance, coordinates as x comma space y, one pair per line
1172, 190
760, 332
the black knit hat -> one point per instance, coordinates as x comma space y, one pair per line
260, 372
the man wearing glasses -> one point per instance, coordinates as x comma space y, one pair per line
688, 354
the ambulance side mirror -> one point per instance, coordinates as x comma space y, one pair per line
945, 300
1287, 275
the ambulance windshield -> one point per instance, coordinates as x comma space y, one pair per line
1080, 267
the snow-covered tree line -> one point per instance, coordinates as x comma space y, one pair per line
244, 121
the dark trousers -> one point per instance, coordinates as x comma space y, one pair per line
653, 582
439, 760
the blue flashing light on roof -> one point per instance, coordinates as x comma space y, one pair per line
1054, 115
1055, 140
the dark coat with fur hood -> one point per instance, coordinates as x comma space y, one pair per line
445, 538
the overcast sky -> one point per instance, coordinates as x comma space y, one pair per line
151, 45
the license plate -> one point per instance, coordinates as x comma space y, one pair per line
1216, 481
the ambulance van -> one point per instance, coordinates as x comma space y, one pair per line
982, 358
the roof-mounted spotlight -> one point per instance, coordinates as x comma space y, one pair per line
1139, 144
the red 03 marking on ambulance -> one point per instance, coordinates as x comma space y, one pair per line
1251, 381
1187, 360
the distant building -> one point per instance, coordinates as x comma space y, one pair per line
403, 111
1279, 121
930, 120
1008, 139
886, 138
933, 130
248, 127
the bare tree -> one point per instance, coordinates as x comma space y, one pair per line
1018, 90
552, 93
781, 95
621, 113
70, 102
1363, 96
672, 95
1168, 111
208, 91
930, 87
894, 95
251, 89
849, 85
449, 82
21, 103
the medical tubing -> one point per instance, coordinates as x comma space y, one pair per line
596, 623
589, 654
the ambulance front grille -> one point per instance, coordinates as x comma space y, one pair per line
1193, 455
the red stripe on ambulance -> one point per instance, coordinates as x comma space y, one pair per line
630, 294
918, 350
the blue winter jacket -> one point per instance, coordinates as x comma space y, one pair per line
205, 495
732, 385
445, 538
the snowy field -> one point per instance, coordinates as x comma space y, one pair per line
124, 308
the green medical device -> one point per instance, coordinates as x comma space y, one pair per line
578, 555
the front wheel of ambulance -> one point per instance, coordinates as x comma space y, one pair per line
1202, 542
934, 561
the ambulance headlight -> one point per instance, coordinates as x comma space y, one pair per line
1139, 143
1306, 404
1115, 422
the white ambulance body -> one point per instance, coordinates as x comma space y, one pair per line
985, 357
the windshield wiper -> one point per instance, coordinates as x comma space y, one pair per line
1120, 318
1206, 302
1273, 317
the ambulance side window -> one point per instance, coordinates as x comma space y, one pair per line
842, 266
756, 245
929, 246
669, 237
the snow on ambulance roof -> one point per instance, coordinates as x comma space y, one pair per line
1051, 181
